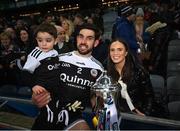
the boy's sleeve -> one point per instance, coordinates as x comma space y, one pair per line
32, 61
31, 64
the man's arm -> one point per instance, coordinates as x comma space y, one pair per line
41, 99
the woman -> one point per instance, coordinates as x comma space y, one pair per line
62, 46
7, 57
123, 68
69, 28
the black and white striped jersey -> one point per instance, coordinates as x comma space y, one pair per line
35, 57
77, 75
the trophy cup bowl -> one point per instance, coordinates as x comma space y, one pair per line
105, 86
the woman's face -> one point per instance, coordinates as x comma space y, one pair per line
61, 35
117, 52
5, 41
24, 35
65, 25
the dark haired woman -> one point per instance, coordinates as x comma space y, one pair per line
136, 94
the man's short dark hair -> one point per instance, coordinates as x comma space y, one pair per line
90, 27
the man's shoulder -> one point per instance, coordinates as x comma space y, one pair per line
65, 54
97, 63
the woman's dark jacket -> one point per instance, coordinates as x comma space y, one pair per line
140, 91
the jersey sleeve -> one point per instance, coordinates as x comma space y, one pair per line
33, 60
31, 64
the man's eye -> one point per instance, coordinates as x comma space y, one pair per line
90, 38
81, 37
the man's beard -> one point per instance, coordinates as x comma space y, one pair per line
84, 52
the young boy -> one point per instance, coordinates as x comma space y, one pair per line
43, 63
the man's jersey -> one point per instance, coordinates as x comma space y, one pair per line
77, 76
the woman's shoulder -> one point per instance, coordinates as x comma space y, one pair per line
141, 71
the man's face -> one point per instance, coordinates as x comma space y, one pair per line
86, 41
132, 17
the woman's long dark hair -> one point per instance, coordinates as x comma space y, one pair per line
128, 68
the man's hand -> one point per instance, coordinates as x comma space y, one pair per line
41, 99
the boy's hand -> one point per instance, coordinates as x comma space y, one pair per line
38, 89
41, 99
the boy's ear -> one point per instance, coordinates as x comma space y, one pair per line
96, 43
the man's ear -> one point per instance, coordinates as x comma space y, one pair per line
96, 43
56, 41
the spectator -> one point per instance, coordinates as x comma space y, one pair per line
48, 18
125, 28
136, 95
62, 46
69, 28
7, 49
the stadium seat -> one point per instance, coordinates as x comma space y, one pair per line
175, 42
174, 110
173, 53
158, 87
173, 67
173, 88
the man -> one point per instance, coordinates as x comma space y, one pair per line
78, 72
125, 28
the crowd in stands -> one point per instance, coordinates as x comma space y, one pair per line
151, 31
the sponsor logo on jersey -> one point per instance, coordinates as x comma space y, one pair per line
65, 65
94, 72
52, 67
75, 79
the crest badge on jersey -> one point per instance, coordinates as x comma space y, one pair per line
94, 72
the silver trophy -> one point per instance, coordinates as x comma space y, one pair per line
107, 114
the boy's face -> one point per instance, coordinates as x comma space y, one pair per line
45, 41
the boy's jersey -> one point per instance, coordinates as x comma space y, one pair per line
77, 76
36, 56
44, 66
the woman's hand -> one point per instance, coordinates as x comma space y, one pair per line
138, 112
41, 99
23, 58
